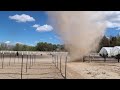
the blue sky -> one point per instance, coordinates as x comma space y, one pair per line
29, 31
23, 32
112, 32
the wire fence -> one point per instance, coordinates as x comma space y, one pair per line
60, 62
11, 63
17, 66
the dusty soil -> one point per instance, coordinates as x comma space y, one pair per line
41, 68
94, 70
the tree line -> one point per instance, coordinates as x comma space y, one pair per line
109, 41
41, 46
44, 46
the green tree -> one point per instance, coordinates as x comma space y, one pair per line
18, 47
113, 41
105, 42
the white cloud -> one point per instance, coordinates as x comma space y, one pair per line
112, 19
31, 44
36, 25
43, 28
36, 42
22, 18
57, 37
118, 28
19, 43
7, 42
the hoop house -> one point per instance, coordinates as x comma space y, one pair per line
106, 51
116, 50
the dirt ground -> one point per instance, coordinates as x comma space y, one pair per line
94, 70
43, 68
40, 68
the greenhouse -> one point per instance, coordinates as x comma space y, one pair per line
107, 51
115, 51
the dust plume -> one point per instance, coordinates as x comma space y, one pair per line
80, 30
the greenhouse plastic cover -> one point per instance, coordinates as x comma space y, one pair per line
106, 50
115, 51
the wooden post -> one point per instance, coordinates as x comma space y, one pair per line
52, 59
57, 61
26, 62
18, 57
22, 66
83, 58
34, 58
3, 60
14, 58
65, 66
104, 59
1, 55
60, 63
30, 61
10, 58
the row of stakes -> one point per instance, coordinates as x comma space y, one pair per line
57, 61
32, 61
